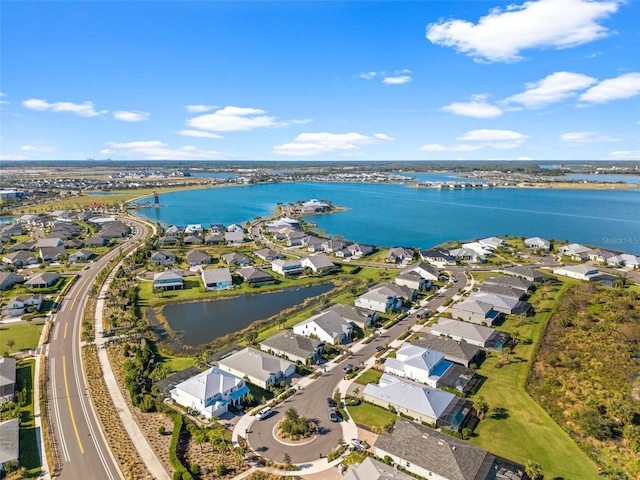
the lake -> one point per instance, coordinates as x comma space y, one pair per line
202, 322
401, 215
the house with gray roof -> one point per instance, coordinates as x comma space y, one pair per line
412, 280
317, 263
428, 453
537, 243
73, 243
9, 279
42, 280
192, 240
234, 237
624, 260
359, 317
217, 279
575, 251
52, 254
462, 353
7, 379
267, 254
534, 276
371, 469
380, 299
20, 258
327, 326
479, 335
22, 304
425, 270
211, 392
467, 254
424, 404
502, 290
255, 276
81, 255
98, 240
163, 257
399, 255
236, 258
502, 304
49, 242
26, 245
9, 441
260, 368
514, 282
168, 280
294, 347
198, 257
438, 256
214, 238
355, 250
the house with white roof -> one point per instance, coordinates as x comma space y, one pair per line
624, 260
492, 243
327, 326
193, 229
260, 368
418, 364
579, 272
537, 243
211, 392
380, 299
287, 268
371, 469
317, 263
468, 255
575, 251
217, 279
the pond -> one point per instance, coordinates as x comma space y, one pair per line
203, 322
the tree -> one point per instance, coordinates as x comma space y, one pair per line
481, 406
356, 392
249, 398
251, 336
282, 322
533, 470
10, 343
286, 459
504, 353
292, 414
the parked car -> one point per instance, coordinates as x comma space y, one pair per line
331, 402
264, 413
379, 348
333, 415
348, 368
357, 443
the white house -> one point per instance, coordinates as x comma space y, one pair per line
22, 304
537, 243
260, 368
210, 392
579, 272
327, 326
380, 299
317, 263
217, 279
624, 260
193, 229
418, 364
575, 251
287, 268
492, 243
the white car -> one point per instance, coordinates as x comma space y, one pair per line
264, 413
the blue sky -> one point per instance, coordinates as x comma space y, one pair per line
418, 80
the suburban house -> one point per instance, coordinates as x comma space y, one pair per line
26, 245
174, 230
98, 240
575, 251
255, 276
260, 368
314, 205
412, 280
9, 441
439, 257
267, 254
20, 258
7, 379
359, 317
399, 255
380, 299
465, 254
52, 254
193, 229
462, 353
198, 257
294, 347
479, 335
425, 404
425, 270
318, 263
192, 240
217, 228
355, 250
168, 281
332, 246
430, 454
214, 238
514, 282
537, 243
9, 279
235, 258
81, 256
624, 260
502, 304
327, 326
210, 392
600, 255
23, 304
217, 279
167, 241
418, 364
287, 268
73, 243
163, 257
502, 290
49, 242
534, 276
234, 227
43, 280
371, 469
492, 243
235, 237
296, 239
579, 272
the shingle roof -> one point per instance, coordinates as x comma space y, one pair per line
351, 313
254, 274
466, 330
515, 282
330, 322
255, 363
451, 348
289, 342
371, 469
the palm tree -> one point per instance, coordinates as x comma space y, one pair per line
481, 406
356, 391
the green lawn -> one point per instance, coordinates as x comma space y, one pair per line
369, 376
25, 336
522, 431
174, 362
29, 457
480, 276
371, 416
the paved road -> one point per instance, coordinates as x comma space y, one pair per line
82, 450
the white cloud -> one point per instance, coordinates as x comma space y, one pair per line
131, 116
501, 35
33, 148
85, 109
476, 109
307, 144
368, 75
14, 157
624, 86
198, 134
553, 88
156, 150
581, 138
199, 108
3, 102
484, 138
397, 80
624, 155
233, 119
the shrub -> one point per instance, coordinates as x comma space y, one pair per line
221, 469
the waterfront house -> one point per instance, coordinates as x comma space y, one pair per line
174, 231
380, 299
287, 268
9, 441
167, 241
52, 254
217, 228
168, 280
431, 454
234, 227
267, 254
20, 258
22, 304
371, 469
462, 353
255, 276
399, 255
472, 333
81, 256
424, 404
217, 279
327, 326
7, 379
42, 280
318, 263
314, 244
600, 255
235, 258
624, 260
294, 347
439, 257
469, 255
210, 393
492, 243
537, 243
163, 258
198, 257
193, 229
355, 250
234, 237
9, 279
260, 368
214, 238
575, 251
475, 311
358, 317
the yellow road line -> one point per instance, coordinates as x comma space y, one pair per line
73, 418
66, 325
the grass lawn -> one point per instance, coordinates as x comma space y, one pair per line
369, 376
371, 415
523, 431
481, 276
25, 336
29, 457
175, 363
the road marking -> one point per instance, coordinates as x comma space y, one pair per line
56, 408
65, 330
73, 418
55, 331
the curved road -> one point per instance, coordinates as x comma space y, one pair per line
82, 449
